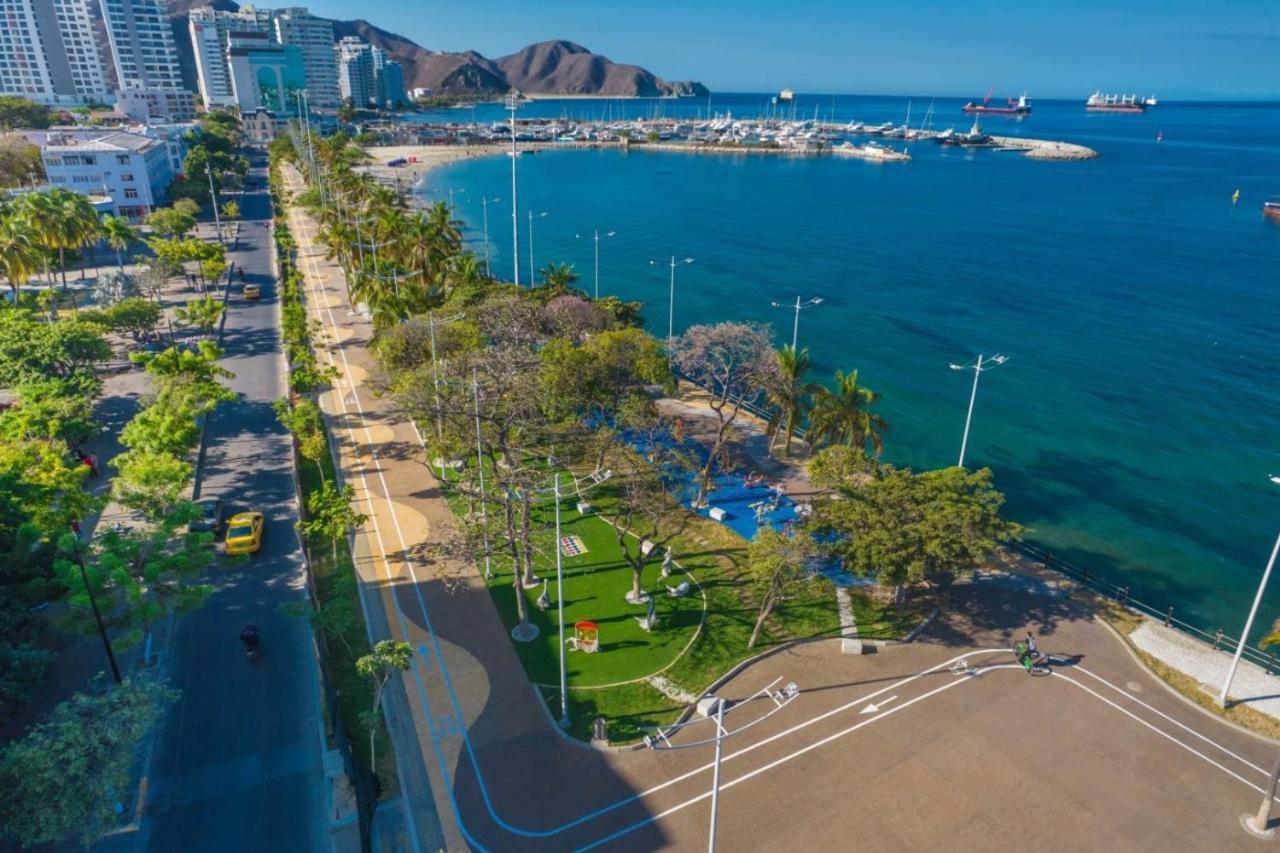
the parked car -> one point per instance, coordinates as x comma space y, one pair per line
252, 291
399, 161
210, 518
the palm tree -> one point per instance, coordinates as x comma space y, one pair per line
20, 252
119, 235
40, 212
558, 278
792, 396
844, 416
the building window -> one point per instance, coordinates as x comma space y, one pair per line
130, 192
122, 159
127, 177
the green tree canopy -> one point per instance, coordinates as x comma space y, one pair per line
63, 777
902, 527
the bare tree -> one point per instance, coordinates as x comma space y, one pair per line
734, 363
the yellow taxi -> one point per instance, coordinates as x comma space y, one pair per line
252, 291
244, 533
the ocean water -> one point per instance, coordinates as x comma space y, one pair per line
1136, 421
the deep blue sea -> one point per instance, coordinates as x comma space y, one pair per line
1137, 419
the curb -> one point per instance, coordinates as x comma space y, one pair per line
1173, 691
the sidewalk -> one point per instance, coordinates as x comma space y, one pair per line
477, 752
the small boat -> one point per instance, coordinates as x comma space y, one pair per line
786, 95
879, 128
1271, 209
945, 135
1151, 101
871, 151
975, 136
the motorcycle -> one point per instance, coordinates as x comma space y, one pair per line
250, 636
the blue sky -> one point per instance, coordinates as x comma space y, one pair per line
1068, 48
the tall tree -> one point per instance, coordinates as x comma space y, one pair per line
63, 777
790, 396
119, 235
844, 416
734, 363
387, 657
20, 252
903, 527
776, 564
331, 515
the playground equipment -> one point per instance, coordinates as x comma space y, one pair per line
586, 638
679, 591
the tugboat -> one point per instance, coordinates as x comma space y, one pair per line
975, 136
1020, 107
1271, 209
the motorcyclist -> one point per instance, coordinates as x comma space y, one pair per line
250, 636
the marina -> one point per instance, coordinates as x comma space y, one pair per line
722, 134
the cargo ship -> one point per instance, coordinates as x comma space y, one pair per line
1020, 107
1100, 103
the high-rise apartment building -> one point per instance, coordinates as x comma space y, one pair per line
388, 78
314, 36
355, 71
48, 52
146, 59
211, 32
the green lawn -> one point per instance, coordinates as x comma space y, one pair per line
595, 585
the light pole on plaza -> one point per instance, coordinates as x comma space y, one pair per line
1248, 624
977, 367
513, 104
671, 300
531, 216
484, 202
798, 306
597, 239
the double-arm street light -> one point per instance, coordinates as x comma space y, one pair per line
513, 104
596, 238
671, 300
798, 306
977, 367
484, 203
531, 218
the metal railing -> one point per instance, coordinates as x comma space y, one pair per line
1121, 595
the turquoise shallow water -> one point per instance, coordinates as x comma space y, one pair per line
1136, 420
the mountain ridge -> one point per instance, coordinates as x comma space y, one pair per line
554, 67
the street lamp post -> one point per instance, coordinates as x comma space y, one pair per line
795, 326
715, 777
671, 300
97, 614
484, 202
531, 216
977, 367
597, 239
1259, 824
484, 514
1248, 624
513, 104
213, 201
564, 676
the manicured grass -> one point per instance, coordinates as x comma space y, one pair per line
630, 710
595, 585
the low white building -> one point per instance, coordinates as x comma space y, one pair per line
131, 169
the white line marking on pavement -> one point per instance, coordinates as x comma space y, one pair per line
874, 707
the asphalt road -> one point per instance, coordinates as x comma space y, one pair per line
238, 763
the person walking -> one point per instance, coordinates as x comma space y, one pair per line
92, 462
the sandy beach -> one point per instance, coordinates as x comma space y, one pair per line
424, 158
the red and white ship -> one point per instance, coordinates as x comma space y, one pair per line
1020, 107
